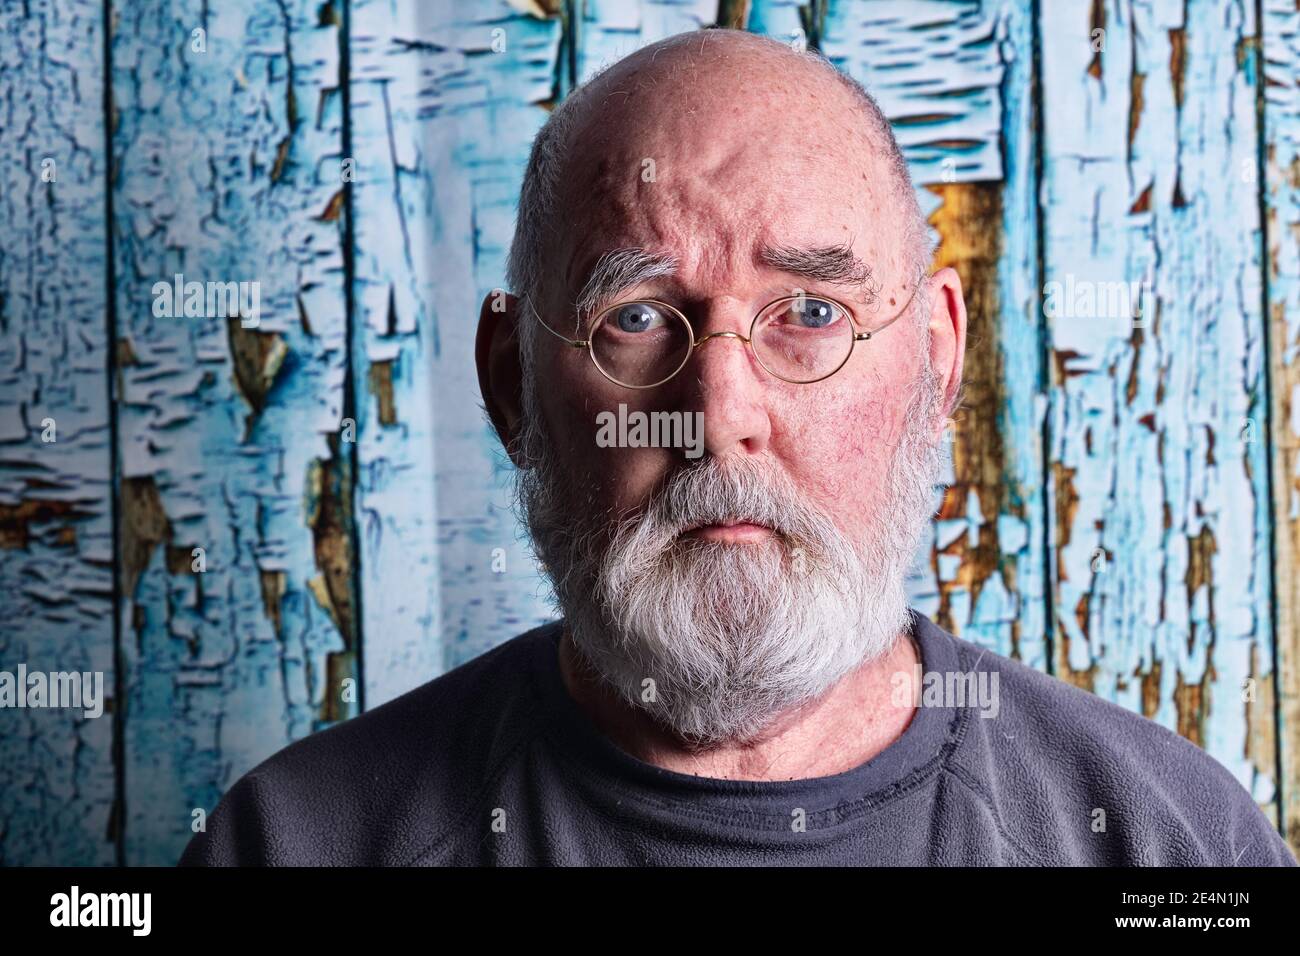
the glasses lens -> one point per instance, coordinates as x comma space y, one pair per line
803, 338
639, 344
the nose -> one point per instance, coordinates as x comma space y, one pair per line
725, 383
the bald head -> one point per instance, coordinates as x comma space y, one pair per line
713, 133
688, 82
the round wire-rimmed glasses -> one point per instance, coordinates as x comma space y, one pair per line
800, 339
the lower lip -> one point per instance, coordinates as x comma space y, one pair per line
730, 532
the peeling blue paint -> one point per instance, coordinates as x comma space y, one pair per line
228, 166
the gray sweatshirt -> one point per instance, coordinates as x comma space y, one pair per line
494, 764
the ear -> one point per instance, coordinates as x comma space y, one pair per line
500, 370
947, 339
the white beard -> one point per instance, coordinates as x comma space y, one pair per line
715, 641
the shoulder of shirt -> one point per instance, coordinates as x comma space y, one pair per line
389, 786
1075, 779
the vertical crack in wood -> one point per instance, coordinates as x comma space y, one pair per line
329, 515
1096, 21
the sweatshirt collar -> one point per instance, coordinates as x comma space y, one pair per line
935, 729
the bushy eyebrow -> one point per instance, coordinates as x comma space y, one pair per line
836, 264
621, 269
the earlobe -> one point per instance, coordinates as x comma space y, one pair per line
500, 370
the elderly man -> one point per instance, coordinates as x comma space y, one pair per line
719, 229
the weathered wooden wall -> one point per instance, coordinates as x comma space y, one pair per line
1124, 504
58, 785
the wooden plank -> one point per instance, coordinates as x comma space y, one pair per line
1280, 29
608, 30
935, 68
57, 776
446, 98
1159, 482
785, 20
955, 80
226, 161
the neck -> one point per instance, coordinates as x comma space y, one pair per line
850, 724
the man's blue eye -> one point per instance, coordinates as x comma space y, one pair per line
812, 313
638, 317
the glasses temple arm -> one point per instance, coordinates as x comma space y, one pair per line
864, 336
575, 343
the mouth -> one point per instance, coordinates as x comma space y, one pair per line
730, 530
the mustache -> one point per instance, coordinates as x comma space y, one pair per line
648, 548
742, 490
